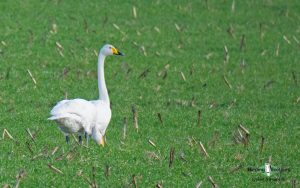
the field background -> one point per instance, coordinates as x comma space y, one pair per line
56, 41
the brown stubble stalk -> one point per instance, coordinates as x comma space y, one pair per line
246, 132
29, 133
214, 139
159, 185
54, 169
236, 168
294, 77
230, 31
6, 133
134, 182
152, 143
277, 50
60, 157
294, 183
286, 39
29, 146
164, 72
182, 76
233, 6
206, 4
160, 118
199, 118
86, 26
54, 150
192, 69
19, 177
171, 158
134, 12
31, 76
262, 142
143, 49
227, 82
125, 125
226, 55
79, 173
203, 150
107, 171
199, 184
94, 177
144, 73
178, 29
242, 44
60, 49
75, 139
214, 185
193, 102
135, 118
261, 33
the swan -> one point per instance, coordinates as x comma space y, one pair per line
87, 117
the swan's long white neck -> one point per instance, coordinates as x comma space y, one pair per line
103, 93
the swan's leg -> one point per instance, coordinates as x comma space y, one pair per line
80, 139
86, 136
68, 139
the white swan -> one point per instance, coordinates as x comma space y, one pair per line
89, 117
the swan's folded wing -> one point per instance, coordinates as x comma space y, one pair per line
83, 110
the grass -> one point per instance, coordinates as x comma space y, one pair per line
263, 74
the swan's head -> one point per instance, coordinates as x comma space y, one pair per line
108, 49
98, 137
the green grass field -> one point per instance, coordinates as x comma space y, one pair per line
256, 84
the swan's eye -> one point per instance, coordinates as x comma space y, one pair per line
110, 47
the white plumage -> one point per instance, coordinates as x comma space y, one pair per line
82, 116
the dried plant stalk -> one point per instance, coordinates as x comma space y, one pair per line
198, 185
31, 136
134, 12
144, 73
242, 45
53, 168
171, 159
242, 135
199, 117
29, 147
226, 81
182, 76
134, 182
54, 150
19, 177
214, 185
125, 122
5, 132
94, 177
152, 143
31, 76
277, 49
160, 118
226, 55
135, 118
177, 27
203, 150
262, 144
107, 171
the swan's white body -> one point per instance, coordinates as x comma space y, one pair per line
79, 116
82, 116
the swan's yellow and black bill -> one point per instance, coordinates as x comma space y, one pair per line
116, 52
